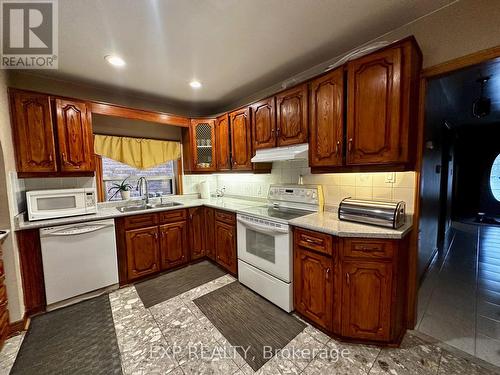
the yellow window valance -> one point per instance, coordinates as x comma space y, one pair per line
140, 153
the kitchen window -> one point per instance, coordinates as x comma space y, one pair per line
161, 178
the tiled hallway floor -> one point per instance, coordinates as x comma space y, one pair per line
459, 301
146, 337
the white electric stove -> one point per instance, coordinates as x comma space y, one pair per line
265, 261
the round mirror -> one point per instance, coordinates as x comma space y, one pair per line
495, 178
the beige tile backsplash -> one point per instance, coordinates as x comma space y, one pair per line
336, 186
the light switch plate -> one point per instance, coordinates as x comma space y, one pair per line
390, 177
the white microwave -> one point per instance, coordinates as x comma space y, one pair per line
50, 204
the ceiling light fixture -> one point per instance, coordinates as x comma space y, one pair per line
115, 60
195, 84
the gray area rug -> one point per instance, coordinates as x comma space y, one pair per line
246, 319
174, 283
78, 339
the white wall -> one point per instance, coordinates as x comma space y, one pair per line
336, 186
9, 189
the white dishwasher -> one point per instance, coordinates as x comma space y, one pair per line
78, 259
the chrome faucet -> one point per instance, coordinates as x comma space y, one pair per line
143, 182
219, 193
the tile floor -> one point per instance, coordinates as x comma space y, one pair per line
147, 340
459, 301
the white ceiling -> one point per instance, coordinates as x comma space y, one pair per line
234, 47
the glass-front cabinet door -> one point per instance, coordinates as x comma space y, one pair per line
203, 144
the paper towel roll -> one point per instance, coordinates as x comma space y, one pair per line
204, 188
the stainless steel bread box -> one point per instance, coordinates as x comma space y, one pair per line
376, 212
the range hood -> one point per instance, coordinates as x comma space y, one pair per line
282, 153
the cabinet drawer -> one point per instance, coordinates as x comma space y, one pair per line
172, 216
138, 221
368, 248
226, 217
316, 241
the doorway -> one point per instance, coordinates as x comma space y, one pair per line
459, 240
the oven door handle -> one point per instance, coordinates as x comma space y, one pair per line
262, 228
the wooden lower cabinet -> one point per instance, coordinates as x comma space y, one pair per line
173, 244
366, 300
210, 233
225, 246
143, 252
356, 291
197, 232
313, 289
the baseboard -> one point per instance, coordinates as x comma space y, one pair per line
18, 326
430, 263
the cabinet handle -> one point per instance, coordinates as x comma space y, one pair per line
328, 273
348, 278
337, 146
350, 145
63, 156
156, 235
316, 242
369, 248
51, 158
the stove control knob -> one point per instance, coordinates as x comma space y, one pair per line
308, 193
313, 195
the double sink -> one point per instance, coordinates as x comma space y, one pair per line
147, 206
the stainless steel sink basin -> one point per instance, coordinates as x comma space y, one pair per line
149, 206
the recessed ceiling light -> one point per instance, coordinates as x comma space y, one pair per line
115, 60
195, 84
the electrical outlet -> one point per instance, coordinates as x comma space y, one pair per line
390, 177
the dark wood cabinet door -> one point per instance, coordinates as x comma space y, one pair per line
33, 132
313, 286
75, 137
173, 244
291, 110
374, 108
327, 120
210, 232
143, 252
203, 145
222, 149
241, 141
197, 232
366, 300
225, 246
264, 124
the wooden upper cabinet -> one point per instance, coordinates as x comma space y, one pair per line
313, 289
327, 120
241, 140
374, 114
75, 137
203, 144
264, 124
291, 116
33, 132
143, 252
367, 300
197, 232
173, 244
222, 149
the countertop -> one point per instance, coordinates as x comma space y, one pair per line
106, 212
3, 234
328, 222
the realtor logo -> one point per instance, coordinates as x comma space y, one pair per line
29, 34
